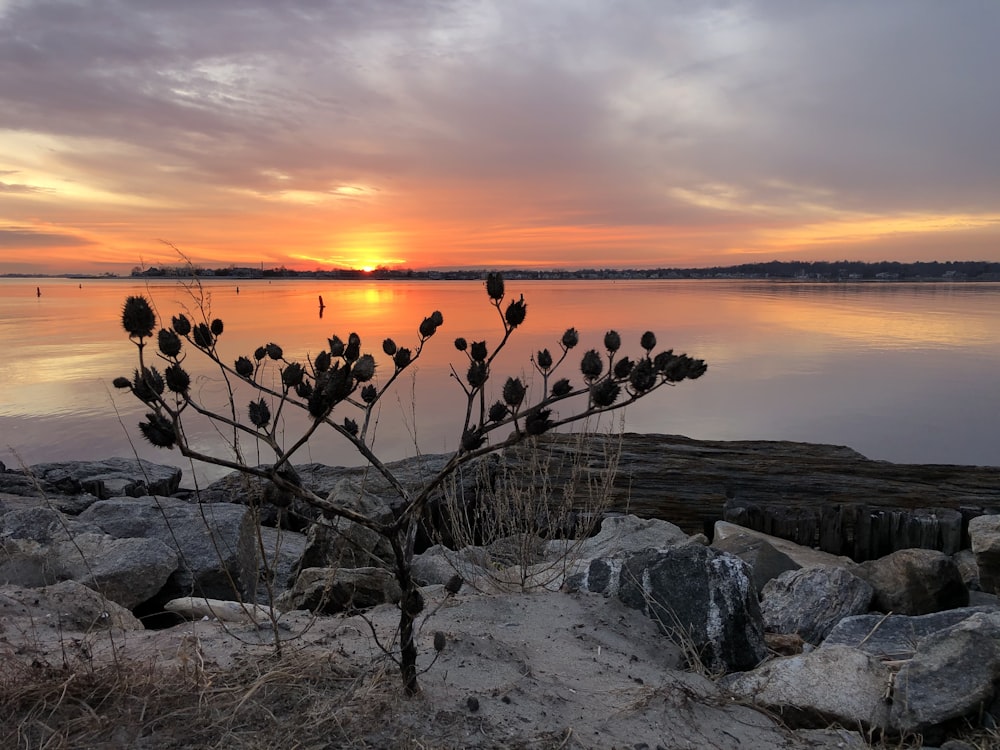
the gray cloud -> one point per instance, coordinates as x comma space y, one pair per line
18, 238
598, 113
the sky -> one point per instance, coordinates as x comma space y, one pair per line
434, 134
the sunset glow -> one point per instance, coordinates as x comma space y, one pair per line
525, 134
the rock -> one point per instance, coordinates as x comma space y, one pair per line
811, 601
833, 739
339, 543
42, 547
764, 560
64, 606
281, 558
952, 674
895, 637
835, 684
804, 557
619, 536
984, 533
216, 543
438, 564
700, 598
112, 477
966, 561
914, 582
332, 590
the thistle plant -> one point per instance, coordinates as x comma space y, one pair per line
340, 388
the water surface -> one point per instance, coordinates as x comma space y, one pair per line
901, 372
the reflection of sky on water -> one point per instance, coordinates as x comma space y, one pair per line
897, 371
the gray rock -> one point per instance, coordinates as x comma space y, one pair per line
41, 524
332, 590
952, 674
914, 582
277, 566
966, 561
895, 636
112, 477
64, 606
438, 564
216, 543
701, 598
811, 601
764, 559
835, 684
619, 536
984, 533
804, 557
339, 543
126, 571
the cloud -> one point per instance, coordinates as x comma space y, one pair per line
458, 113
17, 238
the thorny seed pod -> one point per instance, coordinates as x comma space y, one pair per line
648, 341
353, 349
661, 360
244, 367
217, 327
461, 344
605, 393
538, 422
177, 379
571, 338
437, 318
623, 367
336, 346
274, 351
369, 393
259, 353
439, 641
544, 359
561, 388
494, 286
516, 312
138, 318
121, 382
158, 431
498, 412
259, 414
427, 328
304, 389
477, 375
513, 392
643, 376
454, 584
401, 358
389, 347
181, 325
292, 375
612, 341
203, 338
147, 385
322, 362
472, 439
364, 368
350, 426
479, 351
168, 342
591, 366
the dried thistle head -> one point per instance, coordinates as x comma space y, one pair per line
138, 318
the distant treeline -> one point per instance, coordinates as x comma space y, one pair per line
844, 270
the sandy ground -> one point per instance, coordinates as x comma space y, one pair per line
524, 670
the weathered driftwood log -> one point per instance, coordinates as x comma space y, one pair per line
826, 496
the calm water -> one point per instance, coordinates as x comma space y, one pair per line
901, 372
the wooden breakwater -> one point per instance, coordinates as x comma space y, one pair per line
824, 496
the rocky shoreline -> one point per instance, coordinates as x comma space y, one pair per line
900, 646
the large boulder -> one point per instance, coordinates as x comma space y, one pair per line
332, 590
895, 637
42, 547
64, 607
811, 601
836, 684
914, 582
618, 537
112, 477
984, 534
952, 674
699, 597
216, 544
766, 562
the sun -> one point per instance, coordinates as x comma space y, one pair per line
367, 269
